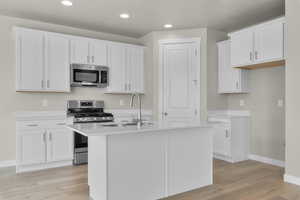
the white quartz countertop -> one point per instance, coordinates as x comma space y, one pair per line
97, 129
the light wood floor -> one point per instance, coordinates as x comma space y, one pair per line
243, 181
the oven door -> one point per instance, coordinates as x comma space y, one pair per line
85, 75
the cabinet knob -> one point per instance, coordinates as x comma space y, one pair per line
165, 113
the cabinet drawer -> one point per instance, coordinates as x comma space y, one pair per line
29, 125
56, 124
46, 124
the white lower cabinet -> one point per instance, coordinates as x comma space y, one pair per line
32, 148
231, 138
43, 144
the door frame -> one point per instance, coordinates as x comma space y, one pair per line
196, 41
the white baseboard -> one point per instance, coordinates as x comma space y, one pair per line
291, 179
7, 163
266, 160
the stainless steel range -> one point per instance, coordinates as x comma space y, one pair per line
86, 111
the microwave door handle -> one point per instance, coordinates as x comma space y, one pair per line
88, 84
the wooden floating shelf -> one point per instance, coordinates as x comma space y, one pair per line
264, 65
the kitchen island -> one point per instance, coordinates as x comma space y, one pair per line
127, 162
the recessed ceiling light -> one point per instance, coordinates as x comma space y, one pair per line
66, 3
124, 15
168, 25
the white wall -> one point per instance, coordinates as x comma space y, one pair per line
11, 101
293, 88
267, 86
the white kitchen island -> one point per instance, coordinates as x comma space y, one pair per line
149, 162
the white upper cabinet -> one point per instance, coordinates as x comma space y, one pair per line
126, 64
98, 52
259, 44
231, 80
269, 42
57, 62
89, 51
242, 48
116, 63
30, 60
43, 61
80, 51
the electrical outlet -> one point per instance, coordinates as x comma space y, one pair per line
45, 103
280, 103
122, 102
242, 102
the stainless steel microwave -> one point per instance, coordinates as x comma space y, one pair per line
89, 76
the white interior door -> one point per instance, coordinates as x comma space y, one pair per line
57, 63
181, 80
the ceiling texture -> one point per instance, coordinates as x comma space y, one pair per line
146, 15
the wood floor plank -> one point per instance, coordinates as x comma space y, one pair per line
247, 180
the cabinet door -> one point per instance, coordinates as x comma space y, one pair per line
30, 60
222, 141
242, 48
135, 69
116, 63
230, 80
269, 42
57, 63
80, 51
98, 52
60, 145
31, 147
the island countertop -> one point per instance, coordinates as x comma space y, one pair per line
103, 129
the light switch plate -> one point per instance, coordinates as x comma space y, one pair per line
122, 102
280, 103
242, 102
45, 103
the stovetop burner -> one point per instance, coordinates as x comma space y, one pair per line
88, 111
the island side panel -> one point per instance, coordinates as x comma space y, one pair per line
97, 167
189, 160
136, 166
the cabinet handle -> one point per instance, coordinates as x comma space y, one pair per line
50, 136
44, 137
227, 134
251, 57
237, 85
48, 83
32, 125
88, 59
129, 86
256, 55
125, 86
42, 83
93, 59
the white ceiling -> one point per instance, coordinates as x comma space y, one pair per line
146, 15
